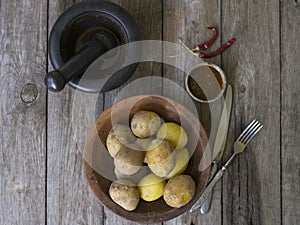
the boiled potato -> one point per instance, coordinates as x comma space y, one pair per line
151, 187
179, 191
160, 157
182, 160
174, 133
125, 194
129, 161
145, 123
118, 136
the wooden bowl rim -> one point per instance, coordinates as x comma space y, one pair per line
145, 218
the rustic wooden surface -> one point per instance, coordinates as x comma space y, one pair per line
290, 111
41, 177
23, 112
251, 188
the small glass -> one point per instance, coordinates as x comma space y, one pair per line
205, 82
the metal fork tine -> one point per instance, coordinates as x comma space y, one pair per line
248, 135
253, 127
253, 134
246, 129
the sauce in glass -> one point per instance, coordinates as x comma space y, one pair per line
205, 82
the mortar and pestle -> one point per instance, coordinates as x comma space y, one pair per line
83, 33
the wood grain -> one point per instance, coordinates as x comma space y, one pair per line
22, 112
188, 20
69, 200
290, 112
251, 186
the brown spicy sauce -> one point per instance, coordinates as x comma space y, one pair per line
205, 82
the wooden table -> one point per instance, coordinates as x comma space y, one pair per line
41, 174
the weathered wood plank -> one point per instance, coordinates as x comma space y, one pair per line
290, 112
188, 20
69, 200
251, 186
148, 15
22, 111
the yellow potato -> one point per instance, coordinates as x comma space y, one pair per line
151, 187
174, 133
182, 160
160, 157
125, 194
179, 191
145, 123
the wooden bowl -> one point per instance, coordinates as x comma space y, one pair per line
97, 159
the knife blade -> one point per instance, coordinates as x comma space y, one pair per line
220, 142
222, 131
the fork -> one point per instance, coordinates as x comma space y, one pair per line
239, 146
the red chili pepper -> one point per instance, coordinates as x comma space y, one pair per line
207, 44
218, 51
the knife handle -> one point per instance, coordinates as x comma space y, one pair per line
208, 190
206, 205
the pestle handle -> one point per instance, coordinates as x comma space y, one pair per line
76, 66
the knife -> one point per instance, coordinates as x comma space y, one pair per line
219, 146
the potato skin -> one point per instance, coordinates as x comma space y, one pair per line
182, 161
124, 193
174, 133
118, 136
179, 191
129, 161
160, 157
151, 187
145, 123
